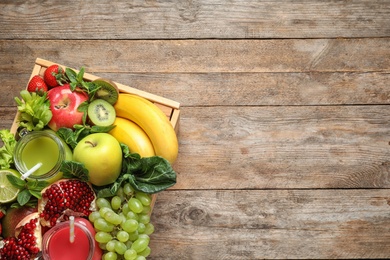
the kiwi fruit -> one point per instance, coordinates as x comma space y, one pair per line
101, 113
108, 90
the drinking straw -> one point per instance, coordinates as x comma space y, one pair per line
71, 229
31, 171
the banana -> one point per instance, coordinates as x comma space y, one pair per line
153, 121
129, 133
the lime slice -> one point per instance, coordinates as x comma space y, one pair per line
8, 192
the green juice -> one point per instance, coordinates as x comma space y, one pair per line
41, 150
43, 147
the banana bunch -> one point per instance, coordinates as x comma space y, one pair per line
142, 126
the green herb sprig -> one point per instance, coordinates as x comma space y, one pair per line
34, 110
147, 174
28, 188
7, 150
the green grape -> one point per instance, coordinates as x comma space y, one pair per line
141, 227
110, 256
125, 209
102, 246
104, 210
120, 193
144, 236
103, 237
133, 235
130, 254
94, 216
102, 225
135, 205
103, 203
149, 229
113, 218
128, 189
146, 210
132, 215
122, 236
120, 247
116, 202
143, 218
140, 244
129, 243
145, 198
110, 246
140, 257
146, 252
122, 216
130, 225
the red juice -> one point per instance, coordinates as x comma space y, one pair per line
57, 245
60, 248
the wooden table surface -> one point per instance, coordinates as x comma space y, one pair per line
285, 114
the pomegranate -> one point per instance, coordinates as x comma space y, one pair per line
12, 218
64, 198
11, 250
27, 241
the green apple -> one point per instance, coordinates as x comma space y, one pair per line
101, 155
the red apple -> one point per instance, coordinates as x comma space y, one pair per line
63, 105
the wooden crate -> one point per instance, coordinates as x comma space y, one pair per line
170, 108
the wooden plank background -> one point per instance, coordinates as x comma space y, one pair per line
284, 130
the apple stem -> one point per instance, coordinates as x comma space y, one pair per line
91, 143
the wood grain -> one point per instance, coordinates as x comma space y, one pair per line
245, 89
198, 19
284, 147
278, 224
284, 125
202, 56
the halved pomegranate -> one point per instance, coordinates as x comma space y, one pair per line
64, 198
27, 241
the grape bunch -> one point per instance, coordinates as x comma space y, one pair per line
122, 224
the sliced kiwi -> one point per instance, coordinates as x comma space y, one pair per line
101, 113
108, 91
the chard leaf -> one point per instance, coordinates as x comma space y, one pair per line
72, 169
154, 174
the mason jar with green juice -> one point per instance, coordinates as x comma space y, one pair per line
44, 151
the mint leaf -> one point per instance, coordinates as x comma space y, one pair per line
102, 129
23, 197
36, 194
15, 181
80, 75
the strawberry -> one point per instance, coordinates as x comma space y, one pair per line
37, 84
53, 74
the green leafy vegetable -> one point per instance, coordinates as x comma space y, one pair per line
72, 137
34, 110
7, 150
147, 174
154, 174
72, 169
